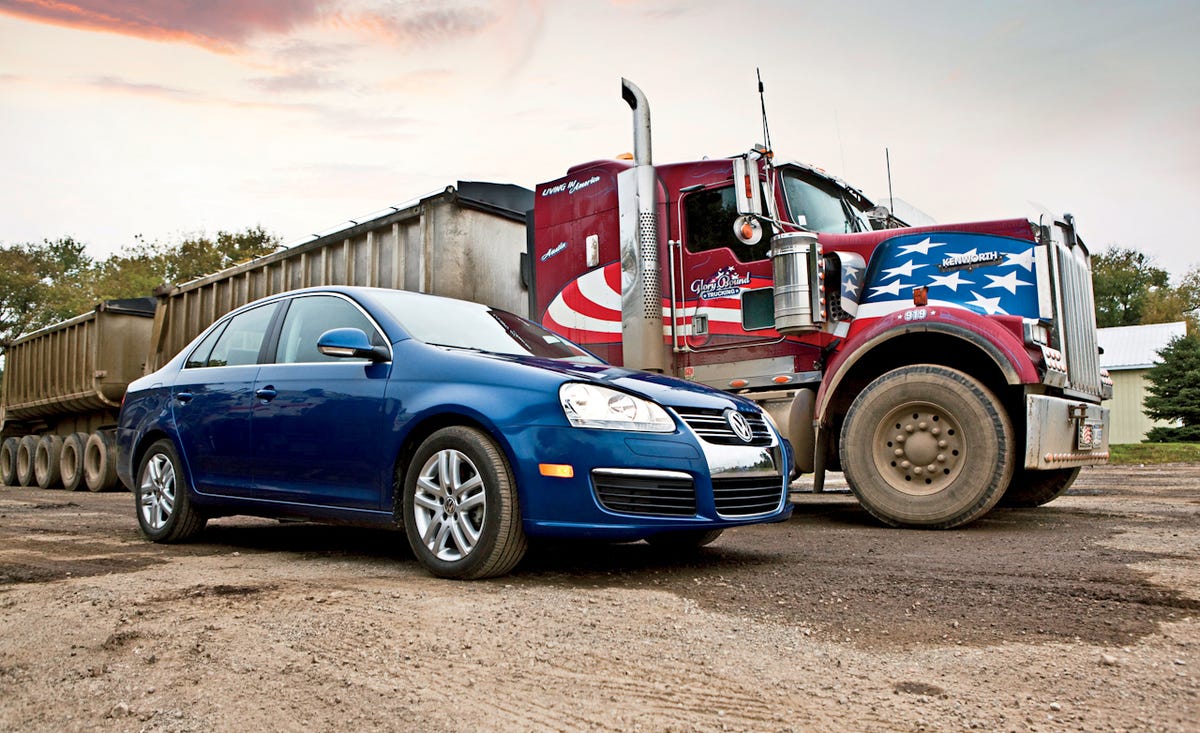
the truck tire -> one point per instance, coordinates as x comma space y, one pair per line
25, 450
45, 462
927, 446
8, 461
100, 461
1034, 488
70, 461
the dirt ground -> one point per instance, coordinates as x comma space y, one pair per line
1081, 615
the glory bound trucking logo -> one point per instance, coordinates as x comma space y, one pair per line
724, 283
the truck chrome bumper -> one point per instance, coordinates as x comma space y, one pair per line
1063, 433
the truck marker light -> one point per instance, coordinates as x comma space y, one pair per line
921, 295
782, 379
738, 383
556, 470
625, 156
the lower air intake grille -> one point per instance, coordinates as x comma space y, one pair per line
646, 494
739, 497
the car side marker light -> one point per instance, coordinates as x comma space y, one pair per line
556, 470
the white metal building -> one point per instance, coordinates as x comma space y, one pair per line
1129, 353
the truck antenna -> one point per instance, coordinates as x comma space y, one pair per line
887, 156
763, 101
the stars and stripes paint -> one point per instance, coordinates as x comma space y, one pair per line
986, 274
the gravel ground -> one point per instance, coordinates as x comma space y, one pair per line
1080, 615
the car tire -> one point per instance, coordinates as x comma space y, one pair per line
460, 508
8, 461
927, 446
45, 462
100, 461
25, 452
164, 508
70, 461
682, 541
1034, 488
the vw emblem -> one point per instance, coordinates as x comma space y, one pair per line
739, 425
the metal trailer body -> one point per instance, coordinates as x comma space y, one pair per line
464, 243
66, 381
63, 384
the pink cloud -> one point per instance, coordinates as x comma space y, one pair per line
220, 25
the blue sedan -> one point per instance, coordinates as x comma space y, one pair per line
471, 428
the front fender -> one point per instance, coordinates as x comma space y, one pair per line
994, 337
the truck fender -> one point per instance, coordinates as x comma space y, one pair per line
1002, 346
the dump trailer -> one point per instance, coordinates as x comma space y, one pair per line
63, 384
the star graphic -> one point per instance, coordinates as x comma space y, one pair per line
892, 288
1024, 259
990, 306
922, 247
906, 270
1009, 282
952, 281
850, 287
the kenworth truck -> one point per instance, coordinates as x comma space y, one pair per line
944, 369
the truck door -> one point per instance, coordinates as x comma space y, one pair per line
723, 293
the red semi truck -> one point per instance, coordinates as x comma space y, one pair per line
945, 369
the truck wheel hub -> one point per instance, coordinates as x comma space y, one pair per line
918, 449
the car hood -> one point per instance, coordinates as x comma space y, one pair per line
665, 390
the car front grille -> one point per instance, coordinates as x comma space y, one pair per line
648, 493
740, 497
712, 427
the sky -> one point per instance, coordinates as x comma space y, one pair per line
168, 118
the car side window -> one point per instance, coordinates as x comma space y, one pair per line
200, 354
310, 316
239, 343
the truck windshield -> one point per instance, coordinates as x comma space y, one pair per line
460, 324
817, 207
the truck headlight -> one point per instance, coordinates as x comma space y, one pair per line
591, 406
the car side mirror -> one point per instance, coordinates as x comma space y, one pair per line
351, 343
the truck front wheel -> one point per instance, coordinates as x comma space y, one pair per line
927, 446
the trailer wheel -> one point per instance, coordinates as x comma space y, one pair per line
927, 446
1034, 488
25, 450
460, 506
164, 510
70, 461
100, 461
45, 461
8, 461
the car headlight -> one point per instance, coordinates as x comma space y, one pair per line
590, 406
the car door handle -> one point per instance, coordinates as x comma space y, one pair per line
183, 397
266, 394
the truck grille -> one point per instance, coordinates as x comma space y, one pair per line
712, 427
740, 497
645, 493
1074, 309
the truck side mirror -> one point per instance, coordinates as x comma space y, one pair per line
747, 190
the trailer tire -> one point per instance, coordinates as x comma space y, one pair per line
8, 461
927, 446
70, 461
1034, 488
100, 461
25, 450
45, 462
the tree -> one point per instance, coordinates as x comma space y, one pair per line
1122, 278
1174, 391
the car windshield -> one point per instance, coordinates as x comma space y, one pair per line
816, 208
462, 325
